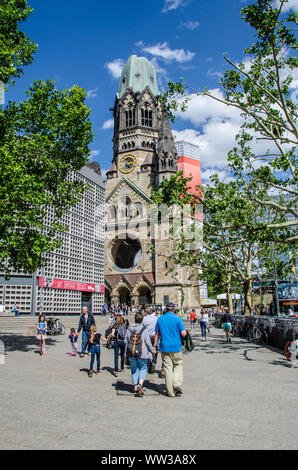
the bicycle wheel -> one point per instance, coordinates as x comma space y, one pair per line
257, 336
264, 337
61, 329
250, 335
50, 330
287, 351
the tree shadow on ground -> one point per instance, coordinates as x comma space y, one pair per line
281, 362
17, 342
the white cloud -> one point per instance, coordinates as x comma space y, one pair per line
290, 5
215, 128
115, 67
212, 74
109, 124
103, 173
92, 93
222, 175
162, 50
171, 5
190, 25
93, 155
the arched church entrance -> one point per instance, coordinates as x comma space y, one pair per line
124, 296
108, 300
144, 295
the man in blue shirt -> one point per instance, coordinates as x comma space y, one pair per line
169, 329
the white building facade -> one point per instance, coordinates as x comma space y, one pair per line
73, 275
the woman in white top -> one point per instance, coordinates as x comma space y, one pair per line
204, 322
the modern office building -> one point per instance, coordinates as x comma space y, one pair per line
73, 275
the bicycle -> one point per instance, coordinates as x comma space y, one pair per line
257, 333
237, 328
55, 327
260, 334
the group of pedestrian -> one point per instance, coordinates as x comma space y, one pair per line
122, 309
202, 319
138, 344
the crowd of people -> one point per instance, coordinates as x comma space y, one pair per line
138, 344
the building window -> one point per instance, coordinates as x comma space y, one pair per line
130, 116
146, 117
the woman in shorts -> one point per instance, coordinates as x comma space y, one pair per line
226, 323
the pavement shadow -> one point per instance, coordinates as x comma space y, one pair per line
281, 362
109, 369
84, 369
122, 387
14, 342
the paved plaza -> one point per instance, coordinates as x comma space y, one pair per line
236, 396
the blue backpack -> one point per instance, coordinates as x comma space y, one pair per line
121, 331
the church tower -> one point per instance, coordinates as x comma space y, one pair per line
143, 155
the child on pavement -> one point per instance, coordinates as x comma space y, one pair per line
41, 333
74, 341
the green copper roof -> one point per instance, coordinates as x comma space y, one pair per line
137, 74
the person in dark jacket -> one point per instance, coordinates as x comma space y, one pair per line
226, 323
85, 323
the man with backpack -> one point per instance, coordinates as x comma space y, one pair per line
170, 330
138, 350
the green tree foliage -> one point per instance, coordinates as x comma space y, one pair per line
230, 250
41, 139
260, 88
260, 205
16, 49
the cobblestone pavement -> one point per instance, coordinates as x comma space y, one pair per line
236, 396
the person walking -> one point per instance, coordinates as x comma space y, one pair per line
85, 323
204, 322
94, 348
138, 361
226, 323
193, 319
169, 329
118, 334
41, 333
149, 321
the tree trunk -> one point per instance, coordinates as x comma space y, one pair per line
247, 286
229, 293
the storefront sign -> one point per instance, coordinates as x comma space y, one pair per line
70, 285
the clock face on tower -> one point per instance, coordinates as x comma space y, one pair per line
127, 163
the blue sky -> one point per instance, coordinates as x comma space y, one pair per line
86, 43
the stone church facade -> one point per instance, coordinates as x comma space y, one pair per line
144, 154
